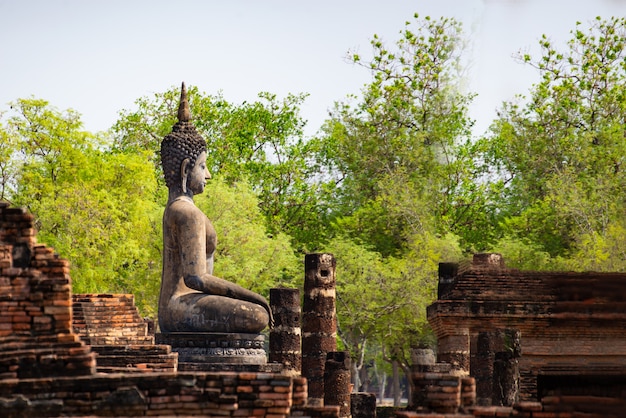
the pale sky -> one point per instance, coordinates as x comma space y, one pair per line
98, 56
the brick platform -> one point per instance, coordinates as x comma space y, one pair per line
112, 326
154, 394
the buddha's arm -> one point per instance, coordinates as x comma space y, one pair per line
212, 285
192, 234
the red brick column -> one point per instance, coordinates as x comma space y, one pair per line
436, 392
319, 321
285, 344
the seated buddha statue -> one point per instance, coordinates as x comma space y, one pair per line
192, 299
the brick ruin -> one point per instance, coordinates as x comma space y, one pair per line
104, 362
510, 343
558, 338
36, 337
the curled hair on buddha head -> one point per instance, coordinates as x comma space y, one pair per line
183, 142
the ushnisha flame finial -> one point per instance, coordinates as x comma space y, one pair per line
184, 114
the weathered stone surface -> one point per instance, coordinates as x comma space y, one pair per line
111, 325
363, 405
337, 381
36, 338
47, 370
220, 348
156, 394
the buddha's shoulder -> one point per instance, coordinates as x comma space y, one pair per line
183, 208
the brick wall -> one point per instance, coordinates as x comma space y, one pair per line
156, 394
36, 338
111, 325
570, 323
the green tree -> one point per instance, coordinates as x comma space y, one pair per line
101, 207
400, 171
246, 254
560, 155
381, 302
96, 208
8, 164
401, 156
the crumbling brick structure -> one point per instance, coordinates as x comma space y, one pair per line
111, 325
570, 325
47, 370
36, 337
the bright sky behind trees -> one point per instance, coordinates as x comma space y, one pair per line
98, 56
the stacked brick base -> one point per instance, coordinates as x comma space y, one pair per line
47, 369
155, 394
111, 325
561, 407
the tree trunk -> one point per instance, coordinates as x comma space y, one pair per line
364, 381
406, 369
381, 378
397, 395
356, 377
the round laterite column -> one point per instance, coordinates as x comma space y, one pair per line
319, 321
337, 381
285, 344
363, 405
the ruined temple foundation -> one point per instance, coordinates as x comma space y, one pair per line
51, 343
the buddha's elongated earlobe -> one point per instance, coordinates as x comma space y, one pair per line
184, 172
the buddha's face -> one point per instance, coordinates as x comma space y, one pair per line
198, 175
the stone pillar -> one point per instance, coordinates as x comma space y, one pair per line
454, 349
506, 376
285, 344
482, 367
319, 321
488, 345
363, 405
337, 381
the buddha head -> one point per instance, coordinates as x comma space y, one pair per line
181, 148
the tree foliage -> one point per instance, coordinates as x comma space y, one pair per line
401, 171
96, 208
401, 155
246, 253
100, 204
561, 154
